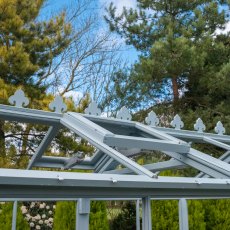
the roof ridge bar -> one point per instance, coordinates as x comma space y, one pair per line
225, 158
216, 143
203, 162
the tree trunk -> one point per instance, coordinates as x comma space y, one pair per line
2, 145
175, 89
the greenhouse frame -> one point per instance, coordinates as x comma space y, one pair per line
116, 141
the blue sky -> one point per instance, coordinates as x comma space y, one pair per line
129, 54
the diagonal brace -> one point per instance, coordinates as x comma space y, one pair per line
52, 132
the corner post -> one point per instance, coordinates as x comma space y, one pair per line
14, 216
138, 227
183, 214
146, 213
83, 210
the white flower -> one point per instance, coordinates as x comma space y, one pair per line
40, 221
32, 204
38, 227
37, 217
41, 206
33, 218
54, 206
23, 207
46, 222
44, 216
31, 224
50, 219
50, 212
47, 207
50, 225
24, 211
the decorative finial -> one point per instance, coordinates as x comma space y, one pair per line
93, 109
177, 123
219, 129
152, 119
199, 126
19, 99
124, 114
58, 105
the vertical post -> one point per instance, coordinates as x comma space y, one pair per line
83, 210
14, 216
138, 227
183, 214
146, 213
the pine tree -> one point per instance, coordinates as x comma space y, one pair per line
174, 38
27, 45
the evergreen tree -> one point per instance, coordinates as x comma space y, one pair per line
175, 39
27, 45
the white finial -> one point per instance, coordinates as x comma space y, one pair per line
199, 126
93, 109
58, 105
124, 114
219, 129
19, 99
152, 119
177, 123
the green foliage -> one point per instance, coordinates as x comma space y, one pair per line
165, 214
217, 214
196, 212
65, 216
6, 218
169, 19
27, 45
98, 216
126, 219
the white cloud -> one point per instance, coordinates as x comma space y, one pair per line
119, 4
224, 31
76, 95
